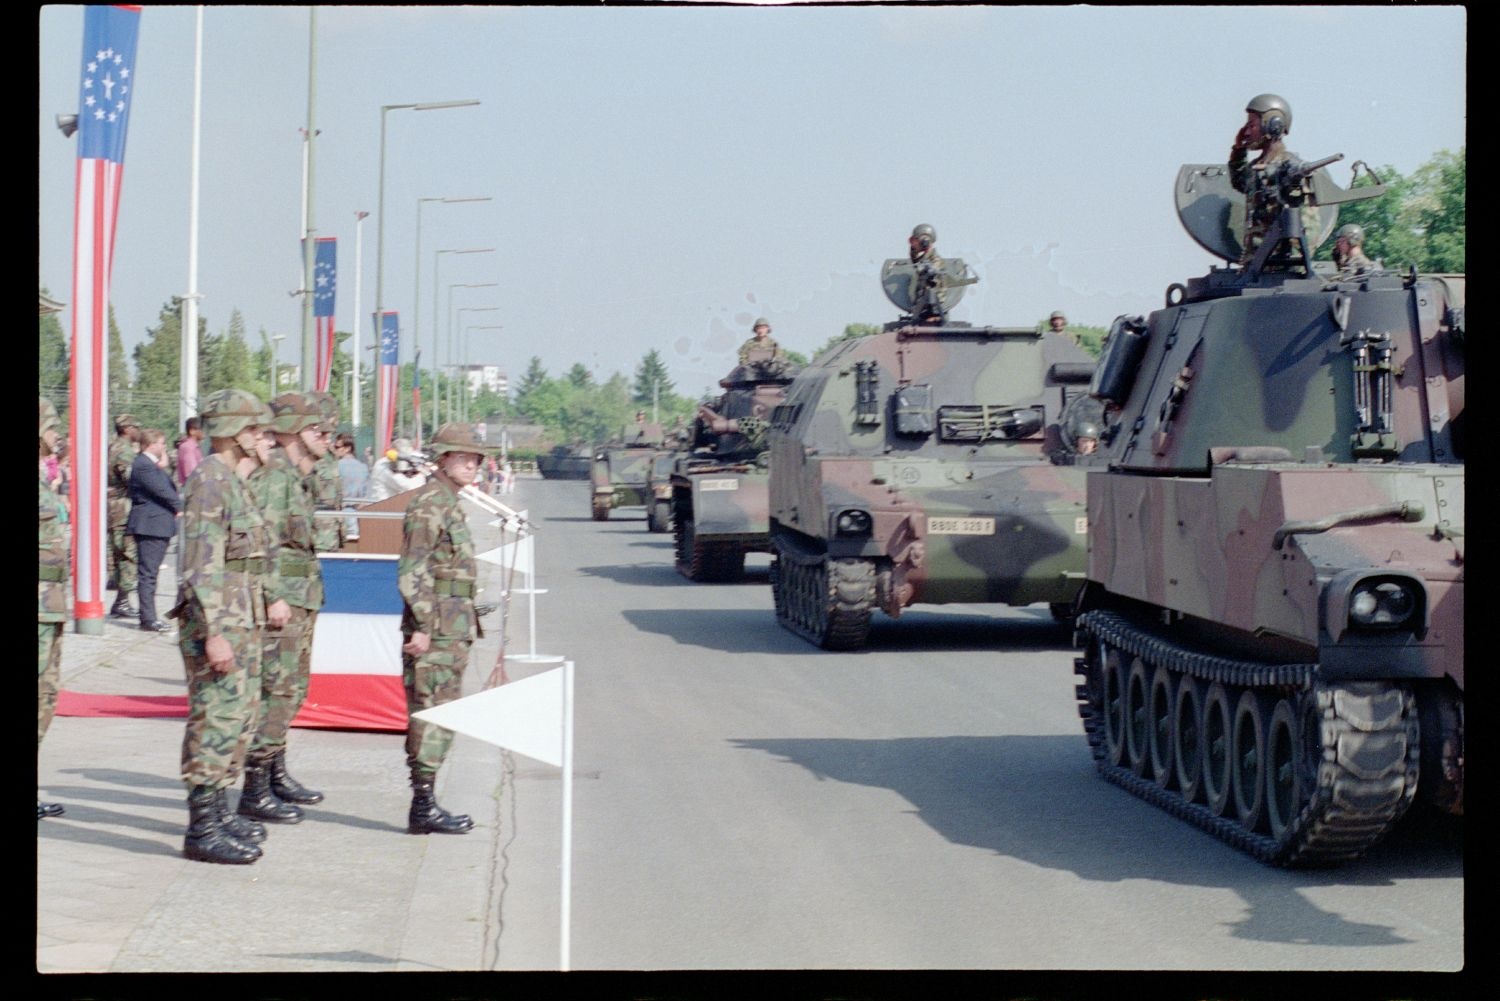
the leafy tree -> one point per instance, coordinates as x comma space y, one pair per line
119, 368
52, 359
579, 376
652, 383
851, 331
1419, 220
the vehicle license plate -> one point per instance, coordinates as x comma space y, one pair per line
960, 526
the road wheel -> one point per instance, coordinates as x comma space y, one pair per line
1216, 732
659, 516
1187, 744
1284, 791
1249, 749
1113, 691
1137, 722
1159, 706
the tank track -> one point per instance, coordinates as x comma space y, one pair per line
1361, 766
705, 562
826, 602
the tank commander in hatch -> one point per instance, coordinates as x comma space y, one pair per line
1349, 250
761, 340
1268, 120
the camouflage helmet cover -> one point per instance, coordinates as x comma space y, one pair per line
1272, 107
458, 438
46, 416
123, 421
294, 412
328, 406
227, 412
1353, 232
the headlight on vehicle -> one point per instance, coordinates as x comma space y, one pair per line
852, 522
1383, 604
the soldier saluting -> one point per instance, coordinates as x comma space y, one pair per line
436, 576
222, 609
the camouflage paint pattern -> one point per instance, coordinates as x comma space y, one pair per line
1276, 555
618, 475
224, 546
124, 559
436, 575
950, 521
51, 602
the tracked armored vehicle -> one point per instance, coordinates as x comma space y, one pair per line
564, 463
619, 472
659, 490
720, 488
924, 464
1272, 623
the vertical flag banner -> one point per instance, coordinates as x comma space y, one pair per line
390, 348
325, 283
105, 91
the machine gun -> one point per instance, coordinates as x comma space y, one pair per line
1280, 195
926, 290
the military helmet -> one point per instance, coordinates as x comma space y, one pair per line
760, 321
458, 438
924, 230
1275, 114
294, 412
1353, 232
227, 412
123, 421
46, 416
1057, 314
328, 406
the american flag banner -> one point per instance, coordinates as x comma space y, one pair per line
104, 97
390, 355
325, 282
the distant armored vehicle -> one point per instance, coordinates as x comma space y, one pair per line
564, 463
1272, 623
659, 490
924, 464
620, 470
719, 489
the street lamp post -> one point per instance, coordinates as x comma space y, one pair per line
359, 229
437, 260
463, 352
448, 351
416, 331
384, 433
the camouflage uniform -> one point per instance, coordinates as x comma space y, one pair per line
1253, 180
769, 344
327, 485
436, 576
292, 575
224, 546
51, 605
123, 557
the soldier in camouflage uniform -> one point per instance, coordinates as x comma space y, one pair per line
222, 610
282, 489
328, 490
52, 591
1349, 250
761, 341
1268, 119
123, 557
436, 576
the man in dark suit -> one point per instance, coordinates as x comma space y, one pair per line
154, 505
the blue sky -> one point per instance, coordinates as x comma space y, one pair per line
662, 176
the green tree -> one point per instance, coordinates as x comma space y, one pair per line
225, 360
52, 359
579, 376
1420, 220
652, 383
851, 331
119, 368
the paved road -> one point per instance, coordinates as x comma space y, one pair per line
742, 801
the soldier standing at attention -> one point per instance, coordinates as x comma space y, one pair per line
282, 489
122, 550
222, 609
436, 576
760, 341
52, 590
328, 490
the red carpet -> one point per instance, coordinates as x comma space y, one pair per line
130, 706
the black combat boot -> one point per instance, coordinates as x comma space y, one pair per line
286, 788
259, 802
48, 810
206, 839
426, 817
123, 609
240, 828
